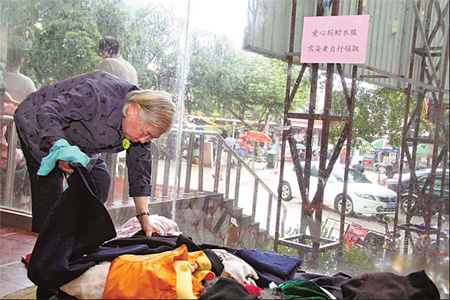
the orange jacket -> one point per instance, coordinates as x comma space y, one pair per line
174, 274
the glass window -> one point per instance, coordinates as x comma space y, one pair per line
353, 176
225, 142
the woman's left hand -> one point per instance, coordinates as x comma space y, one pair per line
147, 226
64, 166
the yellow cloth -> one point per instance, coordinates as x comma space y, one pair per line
174, 274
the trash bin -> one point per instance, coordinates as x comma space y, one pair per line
270, 160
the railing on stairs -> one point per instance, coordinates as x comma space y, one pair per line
233, 161
242, 184
202, 175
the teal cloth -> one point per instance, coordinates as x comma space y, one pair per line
302, 289
62, 150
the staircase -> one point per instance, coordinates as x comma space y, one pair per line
207, 218
238, 211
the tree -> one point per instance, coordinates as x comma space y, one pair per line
66, 44
111, 19
154, 51
379, 112
63, 41
207, 72
63, 38
236, 84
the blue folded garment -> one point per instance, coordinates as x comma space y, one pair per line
280, 265
62, 150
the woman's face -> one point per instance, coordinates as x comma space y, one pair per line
137, 131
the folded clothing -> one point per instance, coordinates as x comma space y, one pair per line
90, 284
386, 285
236, 268
280, 265
302, 289
175, 274
163, 225
225, 288
331, 283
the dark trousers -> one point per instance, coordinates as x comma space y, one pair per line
46, 189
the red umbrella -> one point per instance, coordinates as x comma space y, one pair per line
255, 136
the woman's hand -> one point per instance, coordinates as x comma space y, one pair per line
64, 166
147, 226
141, 203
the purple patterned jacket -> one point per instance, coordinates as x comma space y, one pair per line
86, 110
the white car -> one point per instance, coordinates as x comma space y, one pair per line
363, 196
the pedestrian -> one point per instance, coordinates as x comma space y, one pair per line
214, 142
359, 167
21, 183
97, 112
223, 162
18, 85
9, 107
113, 62
196, 151
302, 155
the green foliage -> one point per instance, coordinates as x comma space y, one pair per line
208, 76
110, 18
235, 84
61, 38
154, 51
19, 32
66, 45
378, 112
354, 261
281, 249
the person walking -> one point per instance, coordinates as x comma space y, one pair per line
359, 167
18, 85
113, 62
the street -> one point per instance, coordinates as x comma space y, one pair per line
293, 208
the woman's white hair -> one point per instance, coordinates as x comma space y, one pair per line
157, 108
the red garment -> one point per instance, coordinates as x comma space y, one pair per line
354, 233
253, 290
26, 259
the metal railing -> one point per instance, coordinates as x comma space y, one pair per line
8, 188
196, 170
236, 162
197, 173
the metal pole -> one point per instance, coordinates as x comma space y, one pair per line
180, 108
404, 133
285, 123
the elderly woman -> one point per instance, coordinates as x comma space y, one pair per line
98, 112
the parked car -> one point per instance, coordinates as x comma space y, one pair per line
373, 160
363, 196
422, 176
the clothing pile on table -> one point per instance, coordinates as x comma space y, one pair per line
78, 254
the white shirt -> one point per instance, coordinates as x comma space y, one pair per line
18, 85
119, 67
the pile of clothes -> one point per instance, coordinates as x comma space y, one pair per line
79, 254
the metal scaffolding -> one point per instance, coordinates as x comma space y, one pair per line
427, 63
